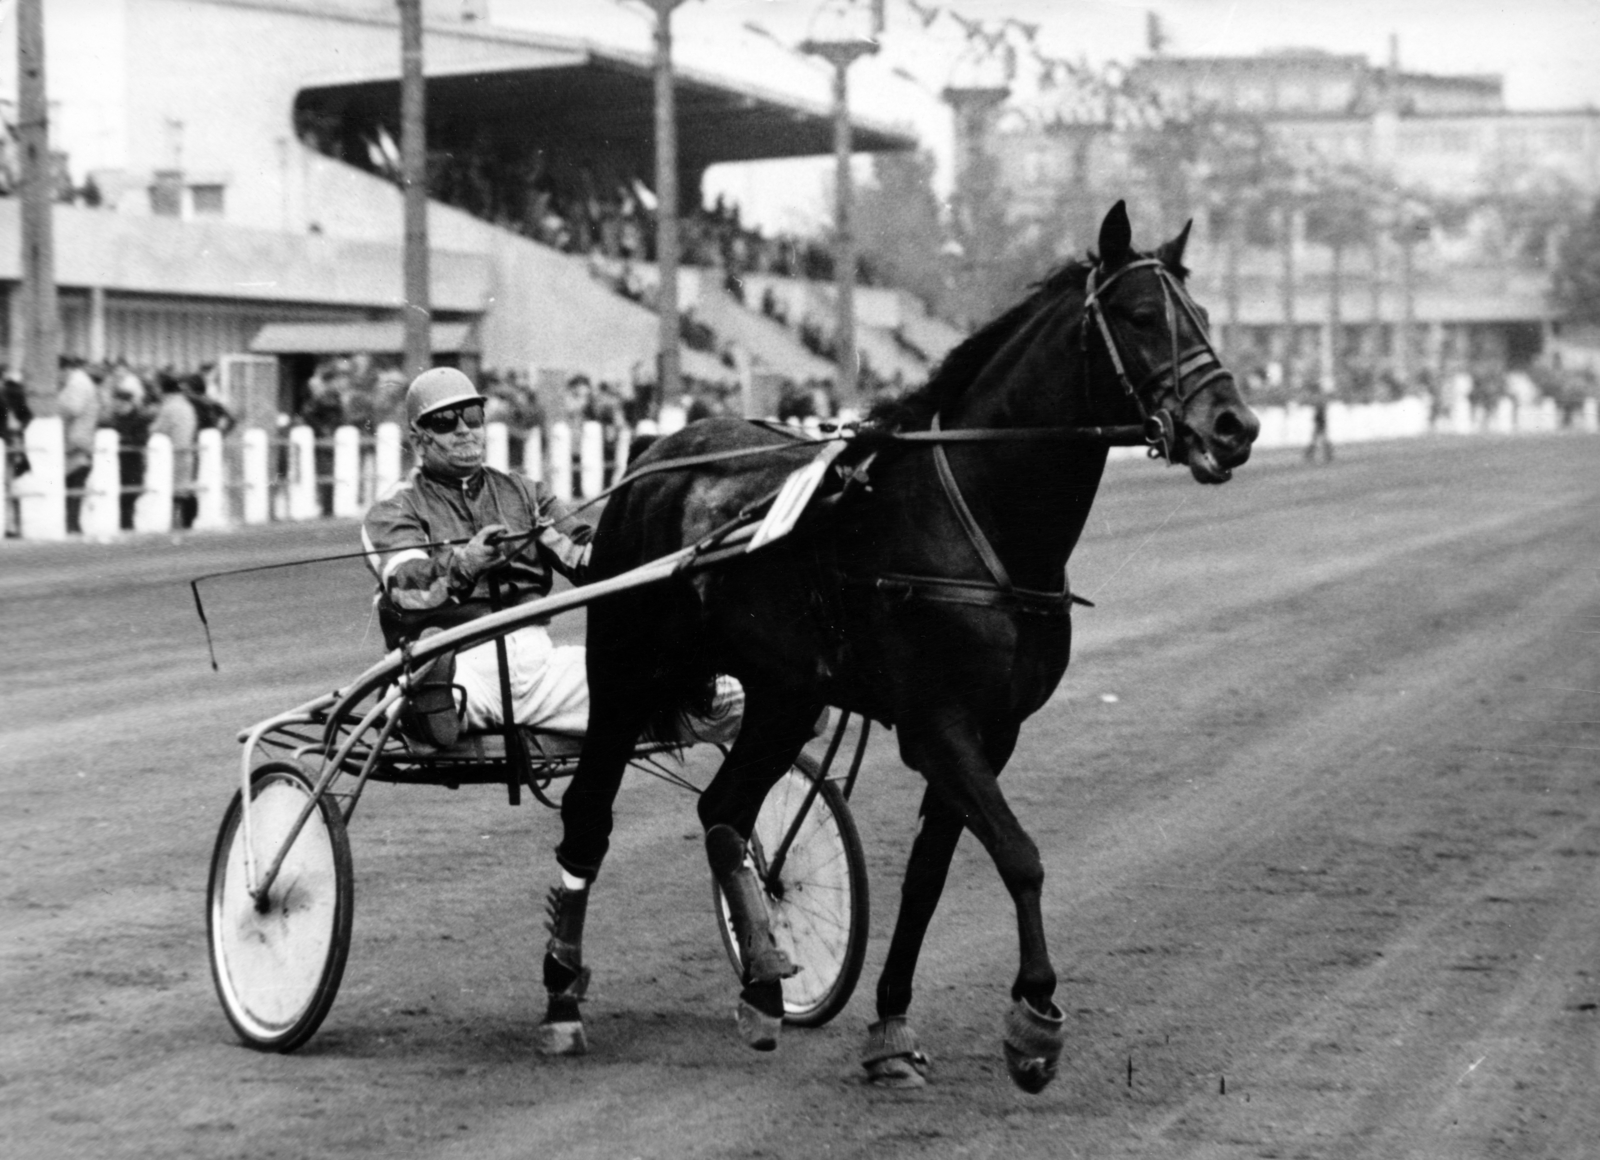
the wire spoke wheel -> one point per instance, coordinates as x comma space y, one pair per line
277, 964
818, 903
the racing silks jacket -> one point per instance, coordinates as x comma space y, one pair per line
421, 586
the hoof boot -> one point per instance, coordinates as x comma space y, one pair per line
758, 1029
759, 1015
566, 1038
1032, 1043
891, 1056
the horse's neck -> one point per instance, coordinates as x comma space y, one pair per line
1032, 499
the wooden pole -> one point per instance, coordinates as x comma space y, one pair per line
669, 375
414, 183
42, 323
844, 258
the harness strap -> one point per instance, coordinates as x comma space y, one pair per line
1131, 434
902, 588
969, 522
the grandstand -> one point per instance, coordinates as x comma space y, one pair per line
240, 155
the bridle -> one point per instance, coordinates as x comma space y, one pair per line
1160, 426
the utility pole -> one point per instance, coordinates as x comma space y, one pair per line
42, 326
841, 54
414, 183
668, 375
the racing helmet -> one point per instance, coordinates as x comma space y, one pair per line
434, 390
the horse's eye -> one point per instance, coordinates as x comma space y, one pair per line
1146, 313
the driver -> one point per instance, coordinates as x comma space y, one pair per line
453, 495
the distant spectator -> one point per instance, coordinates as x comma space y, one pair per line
16, 416
79, 407
175, 418
131, 416
323, 412
1318, 400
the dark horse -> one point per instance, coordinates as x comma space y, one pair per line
932, 598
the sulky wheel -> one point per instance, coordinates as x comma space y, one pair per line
277, 965
818, 903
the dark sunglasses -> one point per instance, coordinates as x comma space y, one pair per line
444, 422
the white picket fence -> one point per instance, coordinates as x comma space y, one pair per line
251, 478
254, 479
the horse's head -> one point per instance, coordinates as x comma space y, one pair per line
1155, 338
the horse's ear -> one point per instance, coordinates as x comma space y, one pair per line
1171, 254
1116, 237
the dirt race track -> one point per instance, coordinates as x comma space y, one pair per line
1319, 802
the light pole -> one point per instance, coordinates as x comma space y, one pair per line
43, 327
668, 374
833, 40
414, 183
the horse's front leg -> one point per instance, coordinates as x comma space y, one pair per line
891, 1055
962, 774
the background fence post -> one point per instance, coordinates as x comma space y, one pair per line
303, 474
42, 493
210, 481
497, 447
102, 509
257, 481
387, 459
619, 460
561, 460
346, 472
592, 456
153, 510
533, 455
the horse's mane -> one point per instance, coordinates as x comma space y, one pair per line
915, 409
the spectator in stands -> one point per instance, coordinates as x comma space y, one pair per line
579, 399
794, 402
388, 398
176, 419
78, 404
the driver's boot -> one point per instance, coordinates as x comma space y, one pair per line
760, 1012
565, 977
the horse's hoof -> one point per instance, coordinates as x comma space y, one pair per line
568, 1038
1032, 1044
891, 1056
759, 1015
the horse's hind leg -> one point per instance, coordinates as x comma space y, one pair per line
773, 731
617, 714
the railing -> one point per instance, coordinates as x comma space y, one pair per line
254, 478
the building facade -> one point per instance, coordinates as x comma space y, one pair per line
1457, 195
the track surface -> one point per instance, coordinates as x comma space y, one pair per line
1317, 799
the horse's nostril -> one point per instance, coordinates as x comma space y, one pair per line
1231, 426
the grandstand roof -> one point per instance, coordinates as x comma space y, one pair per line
578, 93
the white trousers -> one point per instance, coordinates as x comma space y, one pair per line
550, 689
